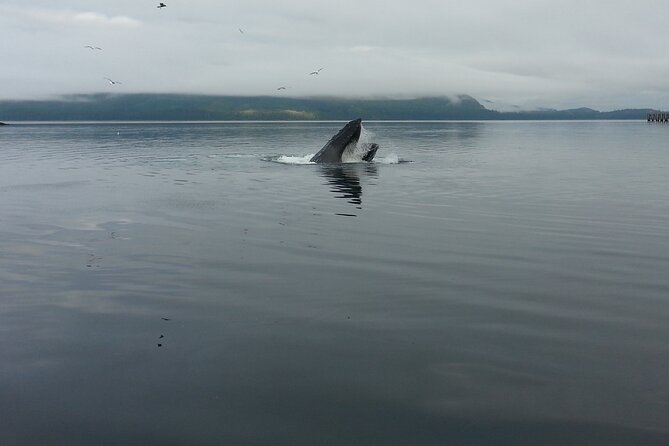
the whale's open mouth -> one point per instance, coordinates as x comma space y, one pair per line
344, 147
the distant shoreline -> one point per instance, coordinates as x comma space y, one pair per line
194, 108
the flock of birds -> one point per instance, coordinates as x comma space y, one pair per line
163, 5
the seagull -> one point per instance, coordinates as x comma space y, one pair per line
161, 5
241, 30
315, 72
93, 47
113, 82
282, 88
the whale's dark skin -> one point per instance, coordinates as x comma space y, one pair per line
333, 149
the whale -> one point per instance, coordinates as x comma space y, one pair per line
345, 143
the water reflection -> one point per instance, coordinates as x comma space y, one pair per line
344, 180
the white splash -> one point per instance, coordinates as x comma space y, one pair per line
353, 153
366, 136
287, 159
388, 159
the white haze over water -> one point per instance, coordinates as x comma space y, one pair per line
507, 54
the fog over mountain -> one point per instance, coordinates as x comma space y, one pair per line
173, 107
509, 55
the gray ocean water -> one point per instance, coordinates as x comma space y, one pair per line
176, 284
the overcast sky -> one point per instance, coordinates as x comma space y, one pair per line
604, 54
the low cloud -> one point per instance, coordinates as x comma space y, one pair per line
81, 18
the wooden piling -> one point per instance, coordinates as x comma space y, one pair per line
658, 117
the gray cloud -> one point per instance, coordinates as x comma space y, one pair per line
601, 54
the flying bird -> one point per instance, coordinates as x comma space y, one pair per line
93, 47
241, 30
113, 82
161, 5
282, 88
315, 72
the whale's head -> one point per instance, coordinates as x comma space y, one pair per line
345, 140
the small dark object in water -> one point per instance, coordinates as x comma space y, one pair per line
166, 318
161, 336
160, 345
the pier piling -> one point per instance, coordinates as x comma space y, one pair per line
658, 117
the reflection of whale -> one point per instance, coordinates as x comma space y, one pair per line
345, 144
344, 180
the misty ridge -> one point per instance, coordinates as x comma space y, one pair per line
183, 107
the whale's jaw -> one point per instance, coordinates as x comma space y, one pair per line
370, 151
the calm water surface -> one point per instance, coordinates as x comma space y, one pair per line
509, 286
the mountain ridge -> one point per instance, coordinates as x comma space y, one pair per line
187, 107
